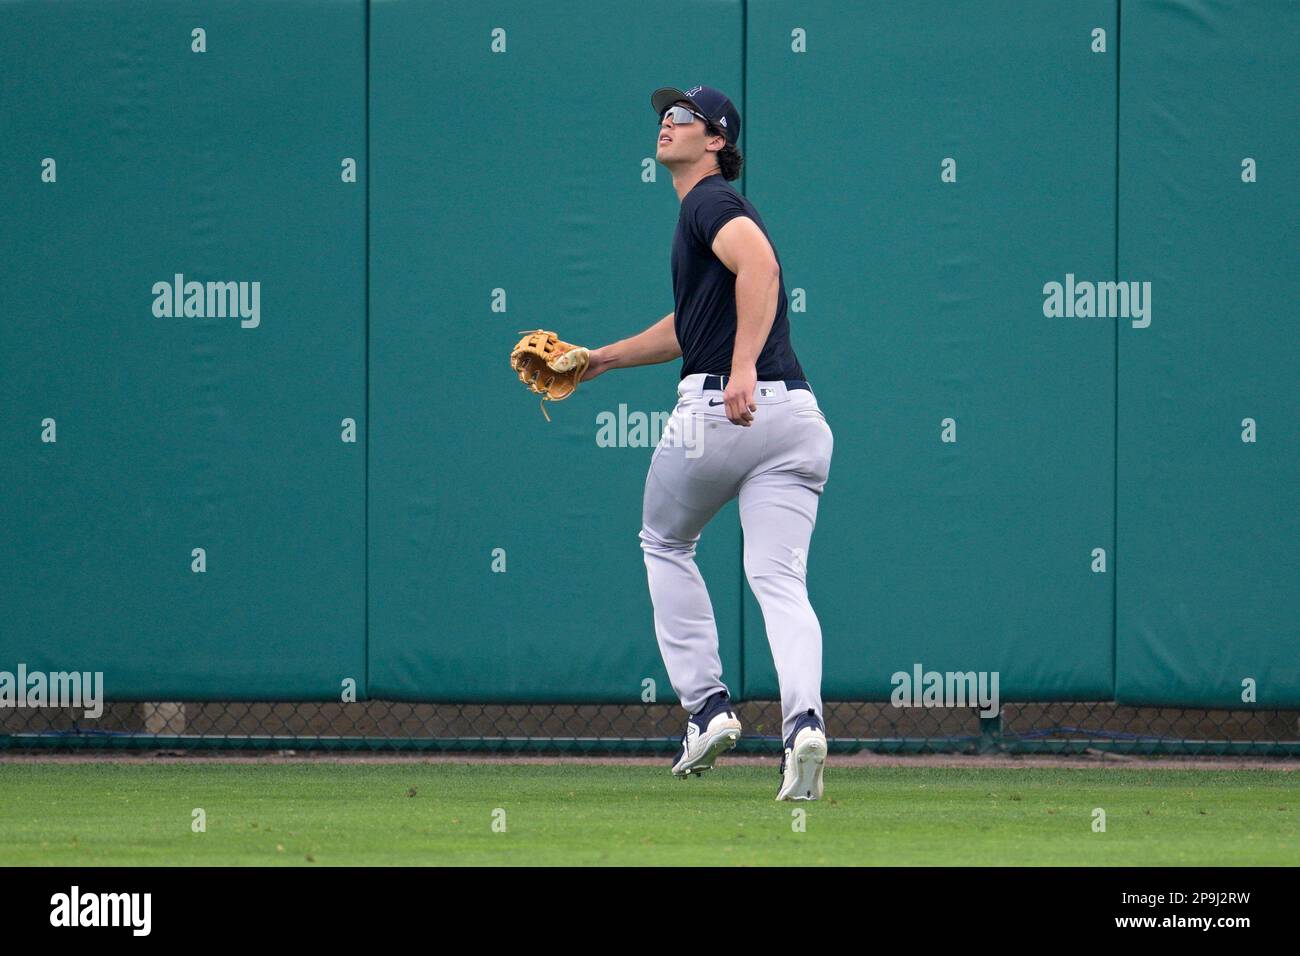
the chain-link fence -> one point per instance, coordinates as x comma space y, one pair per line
1060, 728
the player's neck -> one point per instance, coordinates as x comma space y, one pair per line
685, 182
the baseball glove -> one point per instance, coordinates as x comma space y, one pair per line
549, 367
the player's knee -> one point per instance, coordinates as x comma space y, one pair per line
654, 543
772, 580
775, 570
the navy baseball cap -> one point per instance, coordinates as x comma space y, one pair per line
710, 102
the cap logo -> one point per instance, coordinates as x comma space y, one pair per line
694, 90
722, 120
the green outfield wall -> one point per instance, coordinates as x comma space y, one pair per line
264, 263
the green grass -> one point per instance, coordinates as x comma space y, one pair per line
322, 814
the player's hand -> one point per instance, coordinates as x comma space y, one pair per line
739, 395
597, 363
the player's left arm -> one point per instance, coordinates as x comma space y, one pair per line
741, 246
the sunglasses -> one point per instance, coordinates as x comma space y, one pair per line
681, 115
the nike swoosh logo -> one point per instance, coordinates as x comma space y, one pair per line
712, 402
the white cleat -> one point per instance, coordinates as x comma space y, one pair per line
803, 761
711, 731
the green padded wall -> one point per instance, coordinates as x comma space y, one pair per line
175, 433
509, 145
1209, 523
412, 183
925, 303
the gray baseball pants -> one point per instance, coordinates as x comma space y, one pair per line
778, 467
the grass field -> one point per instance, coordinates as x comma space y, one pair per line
318, 814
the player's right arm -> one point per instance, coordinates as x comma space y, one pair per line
656, 344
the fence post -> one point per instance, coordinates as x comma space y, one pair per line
991, 734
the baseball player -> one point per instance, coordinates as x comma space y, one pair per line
746, 425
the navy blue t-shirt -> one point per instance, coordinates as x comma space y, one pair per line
705, 289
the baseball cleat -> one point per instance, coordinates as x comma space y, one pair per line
802, 762
710, 731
